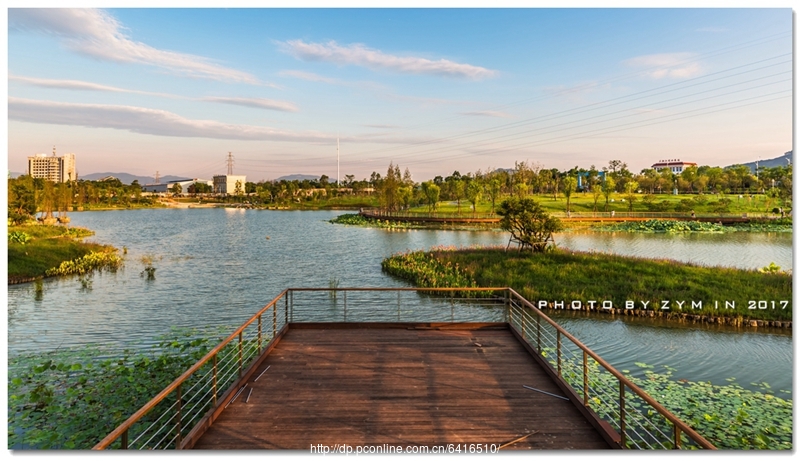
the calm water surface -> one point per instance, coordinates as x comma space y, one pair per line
218, 266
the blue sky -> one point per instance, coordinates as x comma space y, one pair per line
435, 90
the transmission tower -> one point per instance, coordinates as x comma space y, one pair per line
158, 178
230, 164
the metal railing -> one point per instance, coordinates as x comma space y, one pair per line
173, 415
179, 413
640, 420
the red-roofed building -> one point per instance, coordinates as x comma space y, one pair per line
674, 165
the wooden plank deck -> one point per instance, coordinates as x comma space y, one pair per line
399, 386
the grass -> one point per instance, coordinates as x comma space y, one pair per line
580, 202
565, 276
48, 247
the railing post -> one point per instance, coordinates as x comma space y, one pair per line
623, 442
259, 333
677, 435
274, 321
345, 306
215, 380
539, 334
585, 379
240, 354
558, 350
178, 440
125, 440
398, 305
522, 321
286, 307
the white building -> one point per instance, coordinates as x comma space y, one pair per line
228, 184
56, 169
167, 187
674, 165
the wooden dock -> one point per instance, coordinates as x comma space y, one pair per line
403, 385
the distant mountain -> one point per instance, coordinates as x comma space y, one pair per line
298, 177
13, 174
127, 178
770, 163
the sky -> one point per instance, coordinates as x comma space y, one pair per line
174, 90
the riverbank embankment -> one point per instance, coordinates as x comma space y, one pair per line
609, 284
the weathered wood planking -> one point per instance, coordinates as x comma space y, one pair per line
399, 386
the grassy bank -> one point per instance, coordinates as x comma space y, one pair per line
565, 278
34, 249
355, 219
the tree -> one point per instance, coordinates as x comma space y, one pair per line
609, 185
404, 196
528, 222
456, 189
597, 191
474, 192
389, 188
570, 185
493, 189
176, 188
431, 192
21, 199
630, 193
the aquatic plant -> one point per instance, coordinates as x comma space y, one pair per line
96, 260
72, 398
147, 260
729, 416
668, 226
655, 225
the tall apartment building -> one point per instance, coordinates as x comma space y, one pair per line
56, 169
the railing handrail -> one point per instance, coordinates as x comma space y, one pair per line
636, 389
122, 429
116, 433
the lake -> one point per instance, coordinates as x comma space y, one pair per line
219, 266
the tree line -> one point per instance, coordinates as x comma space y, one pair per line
395, 191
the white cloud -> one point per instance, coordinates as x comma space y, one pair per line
146, 121
667, 65
487, 113
97, 34
81, 85
359, 55
258, 103
309, 76
162, 123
